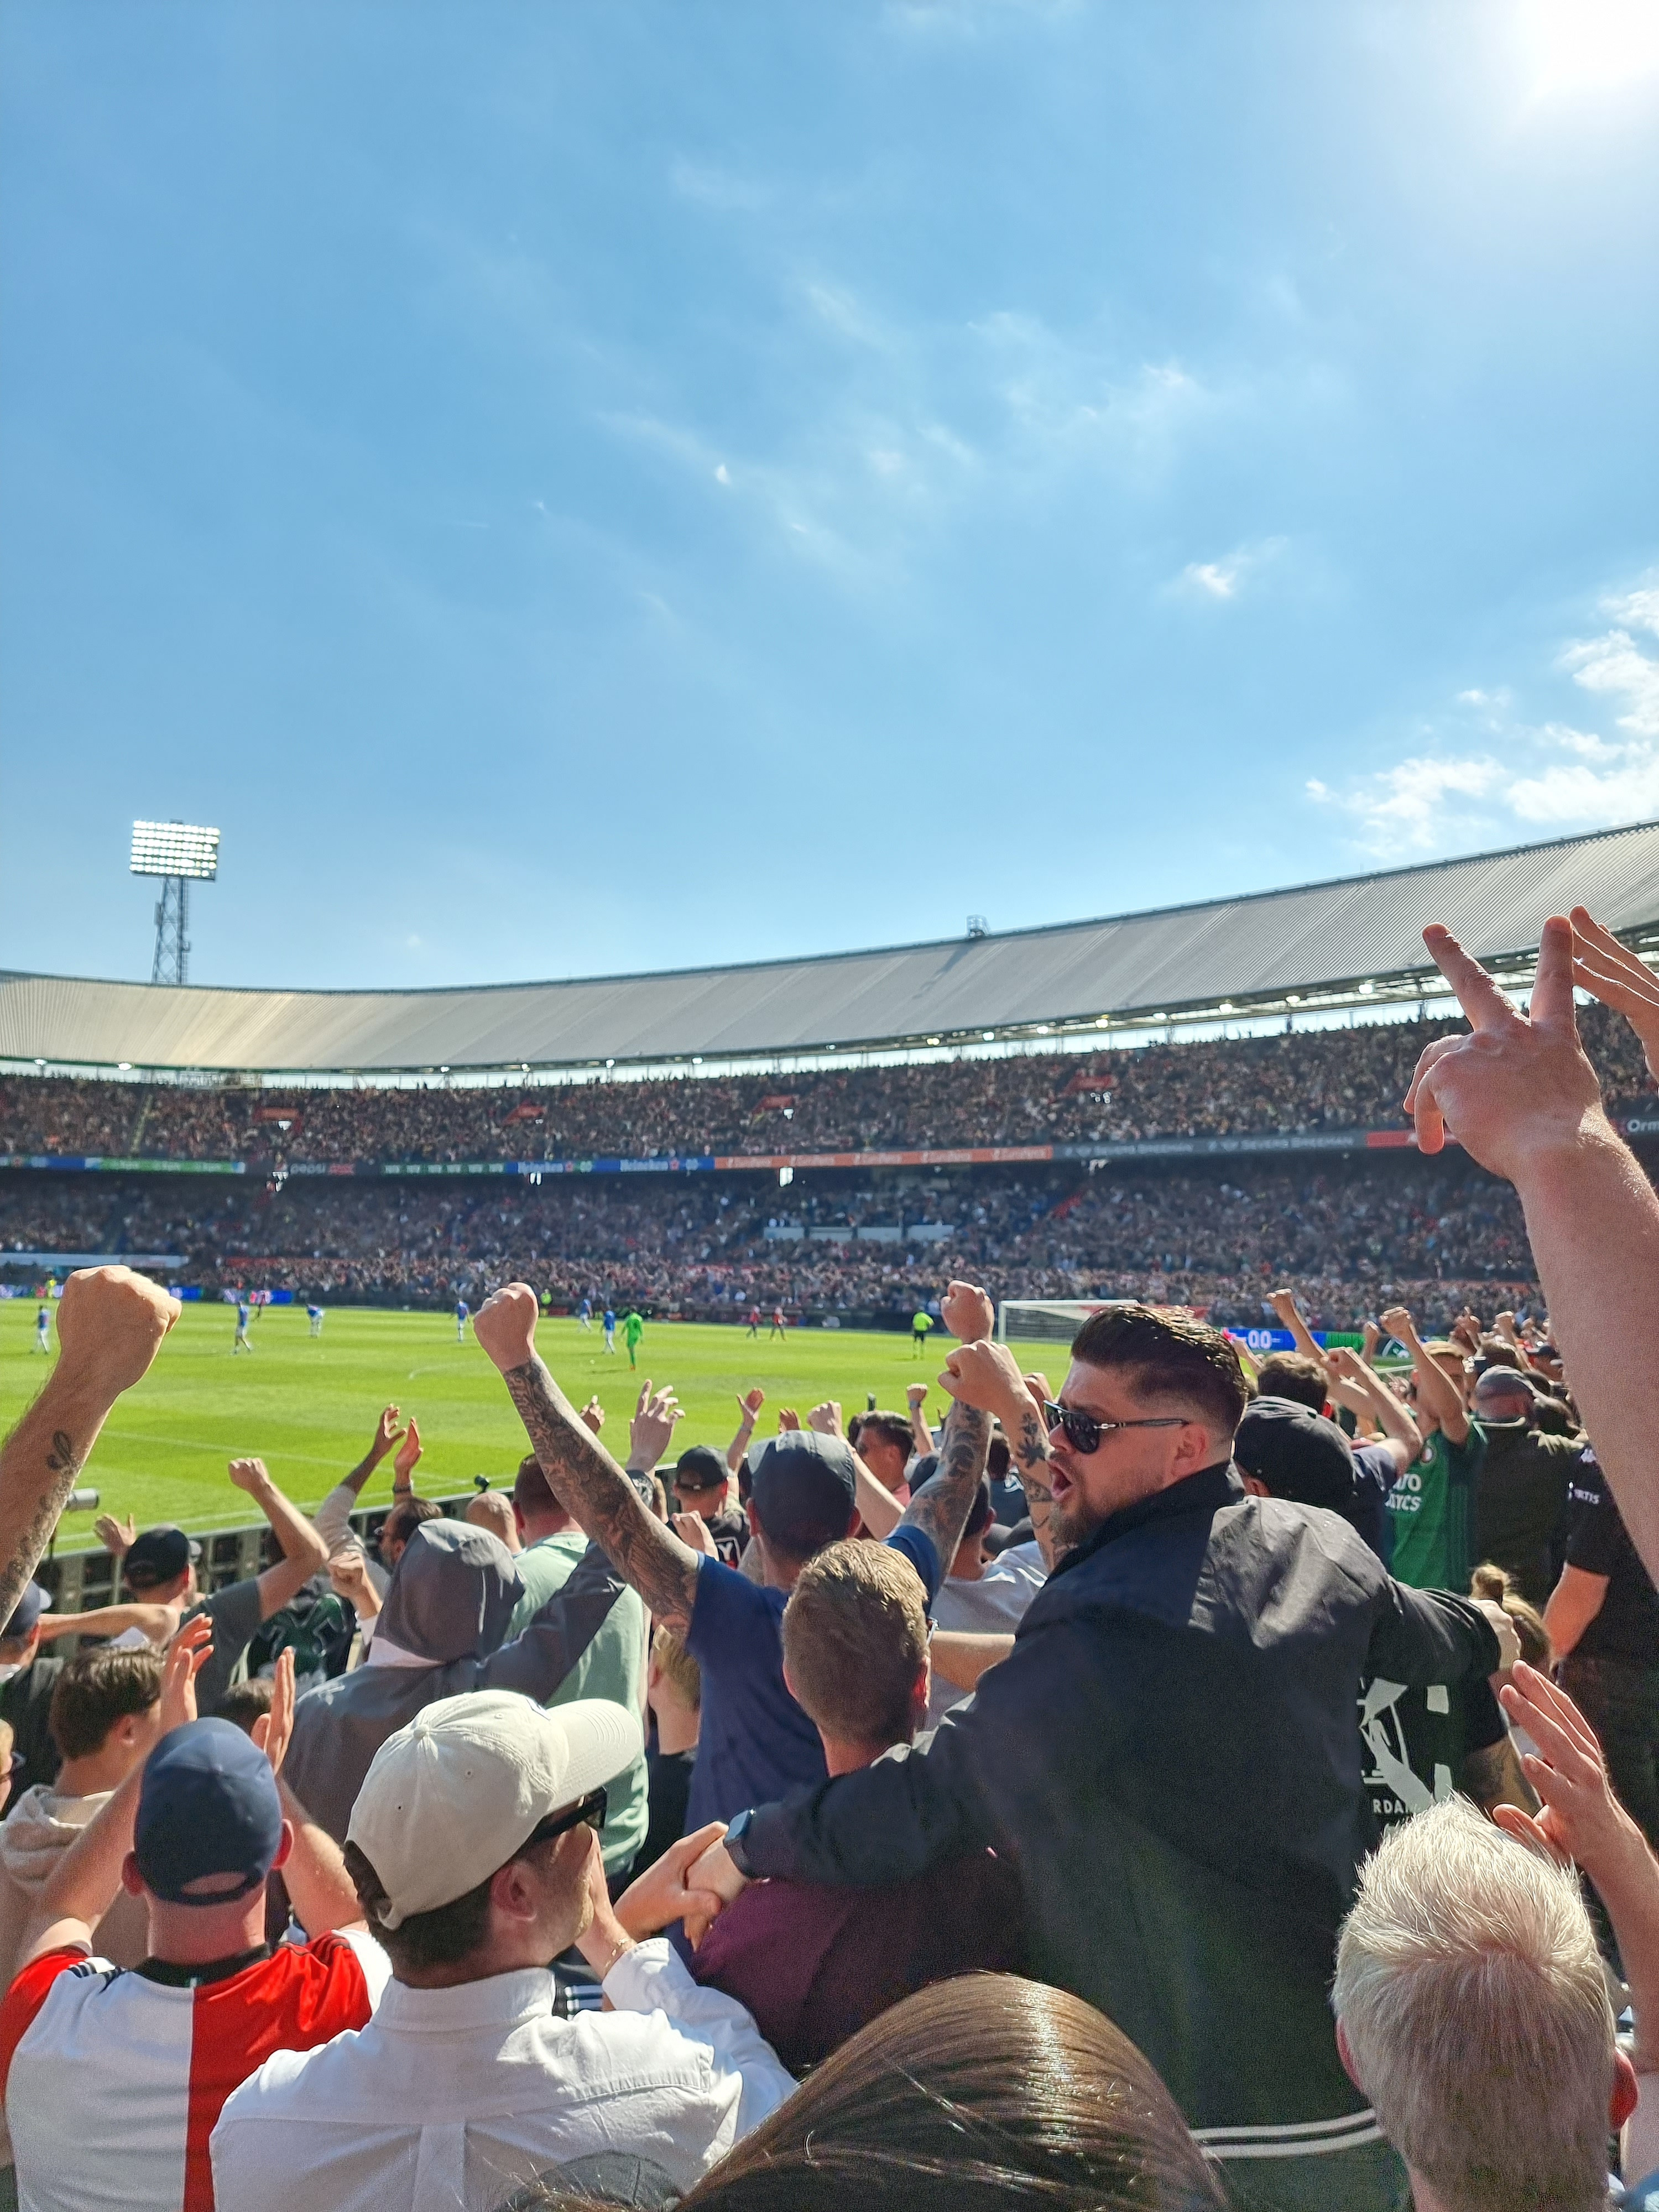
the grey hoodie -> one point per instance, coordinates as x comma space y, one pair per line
438, 1634
42, 1826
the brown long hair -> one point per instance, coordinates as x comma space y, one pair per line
987, 2092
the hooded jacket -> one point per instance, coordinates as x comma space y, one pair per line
1171, 1754
42, 1827
438, 1634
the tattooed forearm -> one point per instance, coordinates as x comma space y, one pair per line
1029, 1440
26, 1546
592, 1488
942, 1506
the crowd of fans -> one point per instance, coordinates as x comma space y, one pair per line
1358, 1232
1196, 1782
1348, 1078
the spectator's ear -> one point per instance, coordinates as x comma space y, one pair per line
1622, 2103
1345, 2052
132, 1881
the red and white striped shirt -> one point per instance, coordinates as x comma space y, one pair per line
114, 2080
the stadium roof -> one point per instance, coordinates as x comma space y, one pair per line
1272, 949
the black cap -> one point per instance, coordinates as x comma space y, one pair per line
699, 1467
804, 1490
32, 1602
158, 1556
1296, 1454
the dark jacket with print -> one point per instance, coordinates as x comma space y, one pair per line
1171, 1753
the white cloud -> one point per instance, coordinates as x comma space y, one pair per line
722, 474
1226, 578
1550, 775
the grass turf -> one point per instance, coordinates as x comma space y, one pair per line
308, 1408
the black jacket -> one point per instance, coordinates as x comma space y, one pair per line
1172, 1754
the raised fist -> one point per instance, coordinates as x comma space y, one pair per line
110, 1325
968, 1313
506, 1325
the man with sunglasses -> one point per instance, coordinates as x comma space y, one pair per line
1169, 1753
474, 1847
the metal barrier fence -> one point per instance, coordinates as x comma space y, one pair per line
83, 1579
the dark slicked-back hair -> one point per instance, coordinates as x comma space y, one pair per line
1168, 1356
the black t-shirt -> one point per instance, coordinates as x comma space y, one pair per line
1626, 1627
1519, 1502
668, 1775
25, 1704
1416, 1739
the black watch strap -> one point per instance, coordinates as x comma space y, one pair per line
736, 1839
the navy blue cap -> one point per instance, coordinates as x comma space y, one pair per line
804, 1492
158, 1556
207, 1805
31, 1604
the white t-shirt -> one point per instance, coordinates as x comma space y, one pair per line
451, 2100
994, 1606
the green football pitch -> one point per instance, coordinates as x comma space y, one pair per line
306, 1406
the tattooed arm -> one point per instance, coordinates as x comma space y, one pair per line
987, 1376
582, 1475
941, 1506
110, 1322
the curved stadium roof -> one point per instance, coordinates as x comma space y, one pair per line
1253, 951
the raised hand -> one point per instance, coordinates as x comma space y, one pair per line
592, 1416
651, 1429
1284, 1305
967, 1312
691, 1529
914, 1395
115, 1535
348, 1573
787, 1418
505, 1325
749, 1406
826, 1417
110, 1326
1371, 1336
409, 1456
187, 1655
249, 1474
273, 1730
1518, 1086
987, 1377
1399, 1324
1582, 1821
387, 1435
1610, 972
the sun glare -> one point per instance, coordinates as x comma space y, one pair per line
1590, 45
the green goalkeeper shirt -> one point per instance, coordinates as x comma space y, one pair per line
1431, 1514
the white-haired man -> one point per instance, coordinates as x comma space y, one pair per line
1472, 2010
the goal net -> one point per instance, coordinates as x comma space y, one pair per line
1048, 1320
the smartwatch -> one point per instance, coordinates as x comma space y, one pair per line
736, 1836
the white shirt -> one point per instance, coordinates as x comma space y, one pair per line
452, 2099
990, 1604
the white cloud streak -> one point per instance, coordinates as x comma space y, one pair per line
1546, 776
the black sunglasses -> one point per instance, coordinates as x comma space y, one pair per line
587, 1812
1083, 1432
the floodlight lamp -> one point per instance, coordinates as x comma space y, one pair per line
175, 848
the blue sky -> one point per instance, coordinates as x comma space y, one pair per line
577, 487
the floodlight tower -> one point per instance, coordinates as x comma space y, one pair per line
181, 854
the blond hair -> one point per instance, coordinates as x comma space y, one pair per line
854, 1639
1472, 1997
677, 1665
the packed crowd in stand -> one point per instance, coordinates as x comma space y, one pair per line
1185, 1782
1358, 1232
1346, 1078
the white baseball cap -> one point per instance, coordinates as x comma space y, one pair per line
452, 1796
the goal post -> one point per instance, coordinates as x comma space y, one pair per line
1048, 1320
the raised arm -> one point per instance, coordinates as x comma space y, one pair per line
580, 1473
878, 1509
940, 1507
319, 1887
1366, 1390
334, 1516
110, 1324
1289, 1315
1521, 1098
1436, 1392
156, 1621
749, 1407
304, 1551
